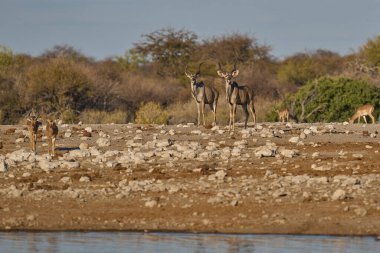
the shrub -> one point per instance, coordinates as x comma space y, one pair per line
151, 113
331, 99
103, 117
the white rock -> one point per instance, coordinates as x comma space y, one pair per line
19, 140
3, 165
220, 175
323, 167
288, 152
83, 145
26, 174
88, 129
265, 151
84, 179
294, 139
103, 142
338, 195
65, 180
151, 203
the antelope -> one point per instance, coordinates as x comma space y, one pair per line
202, 94
283, 115
363, 111
237, 95
51, 133
33, 124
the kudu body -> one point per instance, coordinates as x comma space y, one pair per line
51, 134
237, 95
33, 124
202, 94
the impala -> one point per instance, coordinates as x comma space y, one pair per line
283, 115
363, 111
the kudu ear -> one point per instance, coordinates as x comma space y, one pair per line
220, 73
235, 73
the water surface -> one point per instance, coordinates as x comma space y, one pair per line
96, 242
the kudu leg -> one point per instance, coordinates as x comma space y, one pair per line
233, 116
253, 113
245, 109
53, 146
203, 114
365, 119
199, 113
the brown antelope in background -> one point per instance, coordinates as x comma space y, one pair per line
202, 94
363, 111
33, 124
237, 95
51, 133
283, 115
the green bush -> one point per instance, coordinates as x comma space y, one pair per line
103, 117
151, 113
331, 99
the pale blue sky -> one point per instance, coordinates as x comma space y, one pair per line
106, 28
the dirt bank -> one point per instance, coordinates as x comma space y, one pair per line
295, 178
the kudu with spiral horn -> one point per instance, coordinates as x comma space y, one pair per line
203, 94
237, 95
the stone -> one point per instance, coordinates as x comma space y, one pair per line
294, 139
324, 167
265, 151
151, 203
220, 175
83, 146
338, 195
20, 140
103, 142
360, 211
84, 179
289, 153
65, 180
3, 165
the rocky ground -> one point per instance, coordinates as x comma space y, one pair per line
277, 178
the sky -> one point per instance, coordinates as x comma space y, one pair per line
108, 28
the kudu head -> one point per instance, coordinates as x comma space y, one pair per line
228, 76
32, 120
193, 77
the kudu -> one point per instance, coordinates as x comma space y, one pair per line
51, 134
363, 111
202, 94
33, 124
237, 95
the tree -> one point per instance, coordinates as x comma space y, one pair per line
58, 85
371, 52
304, 67
66, 51
168, 48
6, 56
232, 48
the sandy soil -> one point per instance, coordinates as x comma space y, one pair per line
185, 178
